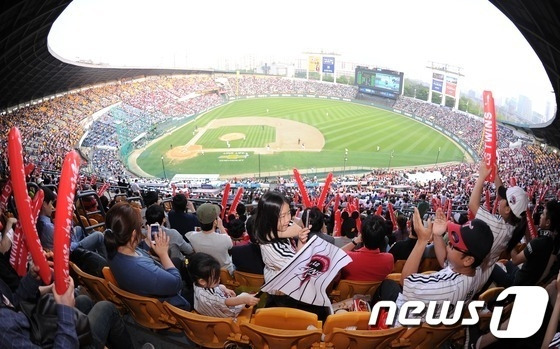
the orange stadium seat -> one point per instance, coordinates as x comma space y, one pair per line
205, 331
272, 338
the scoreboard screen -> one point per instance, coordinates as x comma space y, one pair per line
381, 82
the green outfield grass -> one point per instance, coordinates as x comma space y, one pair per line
358, 128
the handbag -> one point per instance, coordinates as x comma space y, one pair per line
43, 320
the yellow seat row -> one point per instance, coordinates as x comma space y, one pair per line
268, 328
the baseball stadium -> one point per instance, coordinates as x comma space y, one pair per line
269, 136
203, 196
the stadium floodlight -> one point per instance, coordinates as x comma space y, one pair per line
163, 166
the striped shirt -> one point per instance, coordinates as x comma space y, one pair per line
212, 302
275, 256
502, 232
447, 285
444, 285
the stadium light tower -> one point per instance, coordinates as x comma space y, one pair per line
437, 157
163, 166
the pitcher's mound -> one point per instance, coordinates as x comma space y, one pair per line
184, 152
232, 137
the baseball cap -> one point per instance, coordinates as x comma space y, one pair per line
516, 198
460, 218
207, 213
474, 238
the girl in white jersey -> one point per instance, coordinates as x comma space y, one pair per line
274, 229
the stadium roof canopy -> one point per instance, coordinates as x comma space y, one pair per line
28, 71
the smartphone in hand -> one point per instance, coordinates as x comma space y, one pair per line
154, 229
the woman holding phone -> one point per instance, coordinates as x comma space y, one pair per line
134, 270
274, 230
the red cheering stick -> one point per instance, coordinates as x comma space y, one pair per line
337, 223
392, 215
101, 190
29, 168
23, 204
63, 219
530, 193
36, 204
531, 223
379, 211
543, 194
490, 134
236, 200
18, 254
304, 196
323, 196
336, 202
336, 215
6, 192
435, 204
224, 200
352, 201
348, 207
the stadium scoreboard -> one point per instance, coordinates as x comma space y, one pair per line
379, 82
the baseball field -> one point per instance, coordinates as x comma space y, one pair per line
265, 136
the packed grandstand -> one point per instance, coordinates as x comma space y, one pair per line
101, 120
105, 122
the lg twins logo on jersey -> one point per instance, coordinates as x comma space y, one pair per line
525, 320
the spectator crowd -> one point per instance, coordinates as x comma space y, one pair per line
165, 241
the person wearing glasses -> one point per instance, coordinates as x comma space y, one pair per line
461, 276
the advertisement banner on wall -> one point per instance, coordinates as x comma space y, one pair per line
314, 64
328, 64
437, 85
450, 89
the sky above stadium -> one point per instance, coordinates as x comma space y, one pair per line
403, 35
